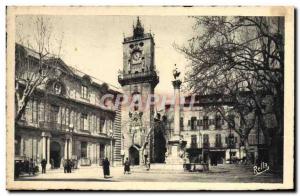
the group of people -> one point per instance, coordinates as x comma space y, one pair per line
68, 165
106, 167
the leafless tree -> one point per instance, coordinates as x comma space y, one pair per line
35, 58
242, 59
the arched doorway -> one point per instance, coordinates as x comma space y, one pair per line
55, 153
159, 147
134, 156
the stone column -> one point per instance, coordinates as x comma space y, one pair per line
176, 85
70, 148
66, 149
44, 147
48, 150
175, 143
22, 146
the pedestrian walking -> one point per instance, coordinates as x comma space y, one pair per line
148, 164
43, 163
127, 166
105, 165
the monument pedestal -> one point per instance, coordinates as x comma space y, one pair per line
175, 154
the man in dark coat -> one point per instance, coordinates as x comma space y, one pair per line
105, 165
126, 166
43, 163
69, 166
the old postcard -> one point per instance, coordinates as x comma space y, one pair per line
150, 98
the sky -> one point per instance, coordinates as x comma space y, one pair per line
93, 44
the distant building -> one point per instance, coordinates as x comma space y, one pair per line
209, 137
63, 119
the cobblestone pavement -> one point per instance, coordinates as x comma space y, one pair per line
220, 173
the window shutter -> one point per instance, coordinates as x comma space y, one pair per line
189, 122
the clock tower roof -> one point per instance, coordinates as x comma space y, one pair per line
138, 29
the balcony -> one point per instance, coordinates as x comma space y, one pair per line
148, 76
219, 145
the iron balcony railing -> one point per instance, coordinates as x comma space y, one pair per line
218, 145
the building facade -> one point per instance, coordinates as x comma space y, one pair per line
209, 137
64, 119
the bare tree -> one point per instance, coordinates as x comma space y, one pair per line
242, 59
35, 59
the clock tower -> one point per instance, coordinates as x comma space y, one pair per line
138, 80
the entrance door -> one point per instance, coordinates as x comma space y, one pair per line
134, 156
55, 153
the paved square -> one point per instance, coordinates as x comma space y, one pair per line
220, 173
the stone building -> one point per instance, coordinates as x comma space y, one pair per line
208, 136
64, 118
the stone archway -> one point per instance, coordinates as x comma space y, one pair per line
55, 153
134, 155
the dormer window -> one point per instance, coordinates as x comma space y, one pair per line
84, 92
57, 88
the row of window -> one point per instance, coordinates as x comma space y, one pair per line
193, 123
218, 140
85, 150
39, 112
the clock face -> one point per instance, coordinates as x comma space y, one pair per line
136, 57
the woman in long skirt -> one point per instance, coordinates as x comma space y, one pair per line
126, 166
105, 165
